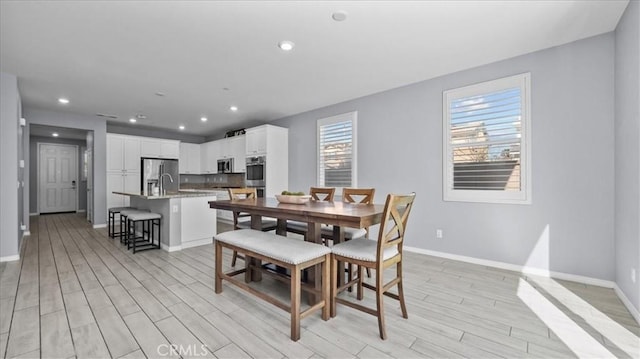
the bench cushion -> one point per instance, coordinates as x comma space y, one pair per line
120, 209
127, 212
143, 216
362, 249
287, 250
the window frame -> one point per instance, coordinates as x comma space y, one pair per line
523, 81
349, 116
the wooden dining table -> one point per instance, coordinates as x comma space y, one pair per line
315, 213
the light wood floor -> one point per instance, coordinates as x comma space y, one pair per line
77, 293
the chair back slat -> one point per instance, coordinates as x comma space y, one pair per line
322, 193
358, 195
241, 193
394, 222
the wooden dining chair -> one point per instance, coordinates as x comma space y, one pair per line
268, 224
352, 195
376, 255
317, 194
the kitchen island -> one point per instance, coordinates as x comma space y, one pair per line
187, 220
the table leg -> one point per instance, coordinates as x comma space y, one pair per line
254, 275
314, 273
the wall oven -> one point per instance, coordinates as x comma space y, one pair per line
256, 167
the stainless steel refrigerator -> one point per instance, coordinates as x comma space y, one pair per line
159, 174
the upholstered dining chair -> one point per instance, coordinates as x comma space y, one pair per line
239, 218
376, 255
317, 194
352, 195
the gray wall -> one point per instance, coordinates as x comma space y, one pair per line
10, 233
33, 170
627, 147
569, 226
99, 128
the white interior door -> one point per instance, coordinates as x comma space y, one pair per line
57, 177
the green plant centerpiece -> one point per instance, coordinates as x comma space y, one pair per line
287, 193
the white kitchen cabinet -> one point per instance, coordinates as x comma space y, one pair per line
209, 157
159, 148
123, 153
256, 141
121, 182
198, 221
233, 147
189, 158
123, 168
273, 143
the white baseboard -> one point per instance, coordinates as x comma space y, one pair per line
34, 214
627, 303
169, 248
10, 258
199, 242
26, 233
103, 225
516, 268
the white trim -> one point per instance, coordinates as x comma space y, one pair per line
199, 242
522, 81
170, 248
516, 268
10, 258
34, 214
627, 303
96, 226
26, 233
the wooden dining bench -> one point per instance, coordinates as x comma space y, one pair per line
292, 254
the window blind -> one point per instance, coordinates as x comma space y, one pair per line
485, 140
335, 154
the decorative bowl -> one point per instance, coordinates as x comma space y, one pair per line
282, 198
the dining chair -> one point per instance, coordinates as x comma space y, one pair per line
268, 224
352, 195
317, 194
376, 255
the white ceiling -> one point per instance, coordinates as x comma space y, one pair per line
112, 57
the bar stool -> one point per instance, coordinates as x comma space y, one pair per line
145, 241
111, 226
124, 227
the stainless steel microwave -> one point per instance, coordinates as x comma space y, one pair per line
225, 165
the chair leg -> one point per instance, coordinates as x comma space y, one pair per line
234, 258
334, 284
218, 286
380, 304
368, 272
403, 307
326, 291
359, 292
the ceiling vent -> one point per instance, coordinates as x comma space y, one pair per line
105, 115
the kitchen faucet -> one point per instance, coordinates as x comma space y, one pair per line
162, 190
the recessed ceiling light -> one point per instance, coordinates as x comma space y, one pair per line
286, 45
233, 108
55, 134
181, 127
203, 119
63, 101
339, 15
133, 120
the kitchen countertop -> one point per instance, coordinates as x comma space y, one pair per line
169, 195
